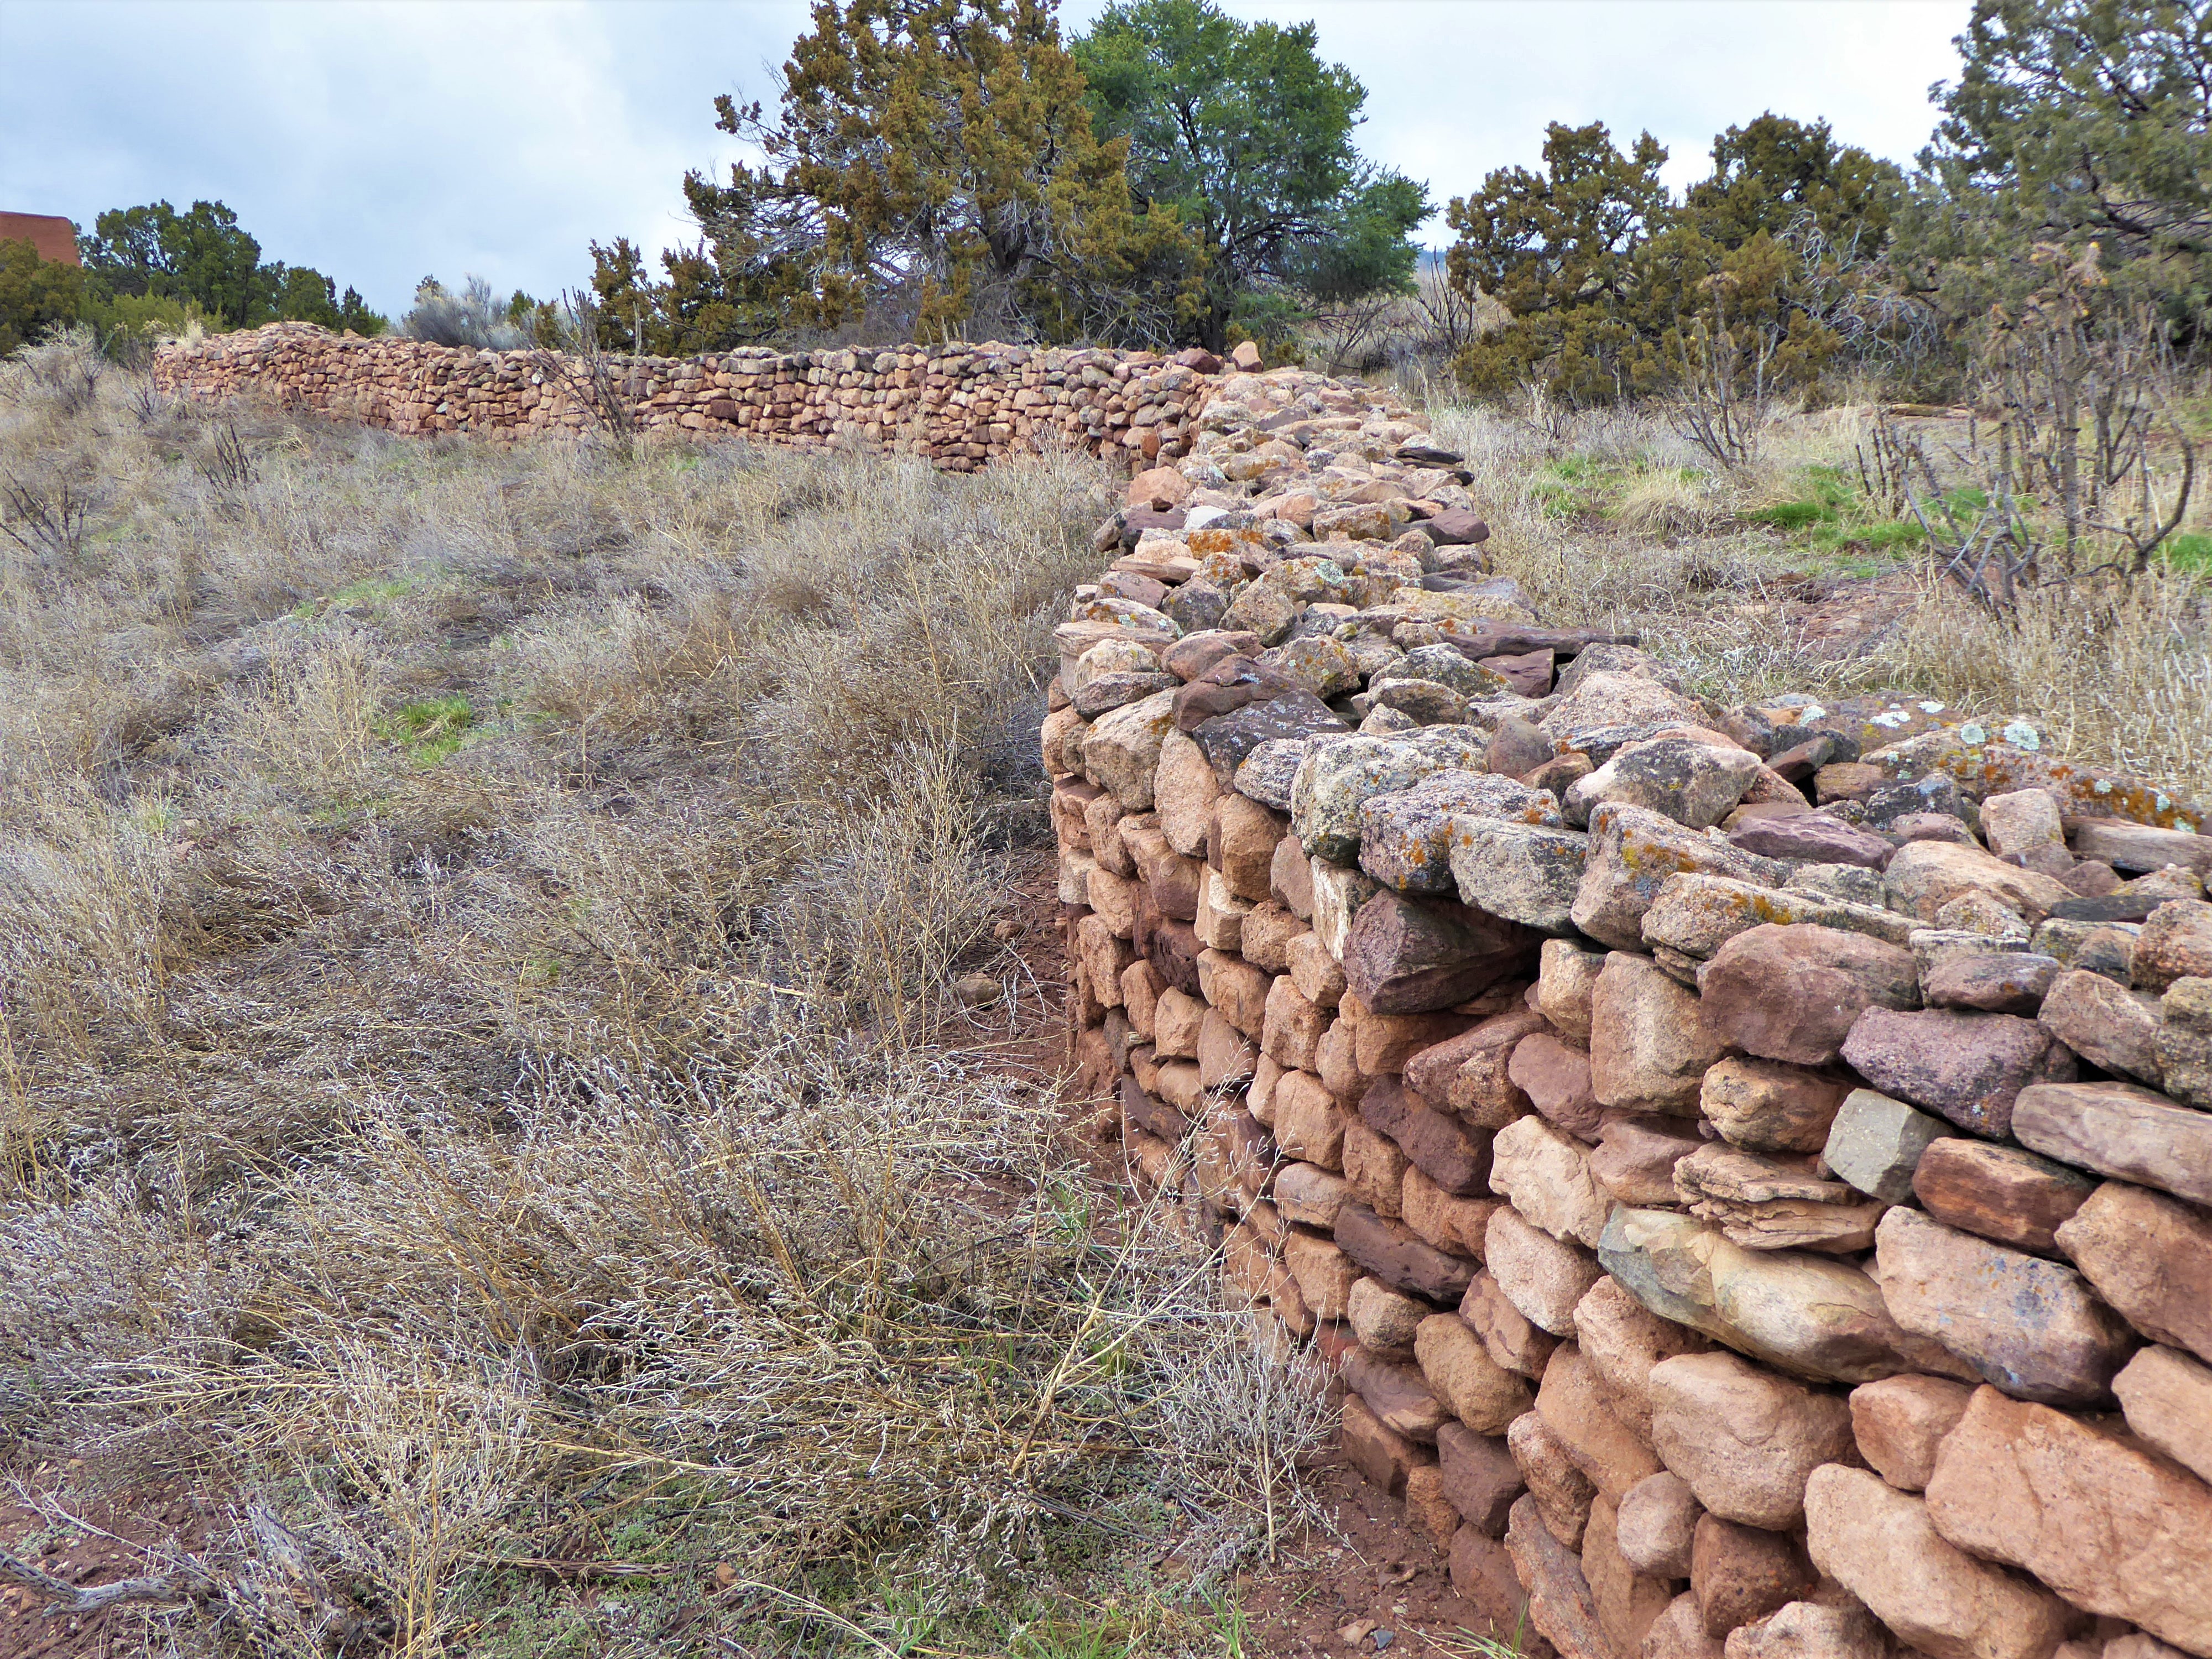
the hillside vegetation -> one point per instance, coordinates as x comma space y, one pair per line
480, 1075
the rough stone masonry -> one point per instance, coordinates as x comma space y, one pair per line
1748, 1172
960, 406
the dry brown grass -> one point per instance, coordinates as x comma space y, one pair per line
478, 1077
1610, 519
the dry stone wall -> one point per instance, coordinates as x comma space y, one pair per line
1747, 1171
960, 405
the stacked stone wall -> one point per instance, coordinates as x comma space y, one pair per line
1745, 1171
961, 406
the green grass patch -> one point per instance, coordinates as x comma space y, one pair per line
2192, 551
1793, 515
369, 591
431, 729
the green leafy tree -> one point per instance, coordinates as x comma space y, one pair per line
202, 257
1615, 289
2072, 121
1246, 135
931, 167
2090, 115
1783, 177
1559, 249
35, 295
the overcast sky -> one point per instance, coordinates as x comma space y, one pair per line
381, 141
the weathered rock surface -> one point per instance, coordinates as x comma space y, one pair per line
1557, 1080
1649, 1045
1995, 983
1741, 1574
1632, 851
1560, 1605
1523, 872
1620, 1340
1967, 1068
1481, 1477
1923, 876
1877, 1144
2176, 943
2003, 1193
1696, 914
1880, 1544
2032, 1326
1656, 1525
2167, 1398
1813, 839
1578, 1411
1562, 1492
1794, 993
1405, 955
1121, 750
2112, 1527
2114, 1029
2120, 1130
1400, 1257
1764, 1203
1693, 783
1899, 1421
1482, 1393
1769, 1106
1745, 1439
1509, 1336
1811, 1630
1545, 1174
2150, 1256
1542, 1276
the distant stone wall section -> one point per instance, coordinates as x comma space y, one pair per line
1745, 1172
962, 406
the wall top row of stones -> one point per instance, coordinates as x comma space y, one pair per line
1747, 1171
960, 405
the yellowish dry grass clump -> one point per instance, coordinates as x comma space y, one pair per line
1610, 519
476, 1083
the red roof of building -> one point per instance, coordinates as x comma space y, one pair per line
55, 239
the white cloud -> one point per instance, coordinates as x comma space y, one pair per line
381, 141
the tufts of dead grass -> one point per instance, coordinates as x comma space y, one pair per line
479, 1085
1608, 520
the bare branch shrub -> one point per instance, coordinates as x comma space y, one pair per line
2069, 474
589, 377
44, 519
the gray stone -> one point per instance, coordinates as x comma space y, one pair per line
1875, 1143
2183, 1048
1997, 983
1692, 782
1520, 872
1228, 740
1335, 782
1698, 914
1267, 773
1632, 853
1406, 839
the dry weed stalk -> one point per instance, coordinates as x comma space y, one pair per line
471, 1013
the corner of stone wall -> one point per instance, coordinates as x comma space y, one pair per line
1744, 1170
